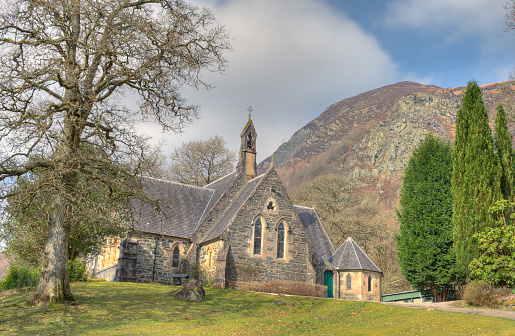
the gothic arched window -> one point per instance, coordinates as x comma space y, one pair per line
175, 256
257, 236
369, 283
209, 254
349, 282
280, 241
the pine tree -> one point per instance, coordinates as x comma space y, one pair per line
476, 176
505, 152
425, 242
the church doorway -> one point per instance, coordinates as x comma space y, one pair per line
328, 281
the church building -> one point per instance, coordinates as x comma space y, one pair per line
242, 227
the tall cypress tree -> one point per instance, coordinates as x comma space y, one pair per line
425, 242
504, 150
476, 176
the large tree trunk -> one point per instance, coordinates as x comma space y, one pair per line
54, 284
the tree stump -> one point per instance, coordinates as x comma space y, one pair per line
191, 291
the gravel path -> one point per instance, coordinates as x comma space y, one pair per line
448, 307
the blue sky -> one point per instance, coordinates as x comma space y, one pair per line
291, 59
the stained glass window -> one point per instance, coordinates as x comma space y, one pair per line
175, 257
280, 241
257, 236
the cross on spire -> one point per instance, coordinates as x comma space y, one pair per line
250, 111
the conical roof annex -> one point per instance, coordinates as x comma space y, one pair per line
350, 256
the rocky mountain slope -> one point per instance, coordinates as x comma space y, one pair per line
370, 137
349, 161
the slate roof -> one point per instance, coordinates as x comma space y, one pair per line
228, 215
349, 256
220, 186
182, 207
315, 231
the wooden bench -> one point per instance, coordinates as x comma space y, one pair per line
176, 279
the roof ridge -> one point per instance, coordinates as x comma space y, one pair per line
352, 242
342, 246
250, 195
203, 212
217, 201
366, 255
234, 200
302, 206
175, 182
221, 178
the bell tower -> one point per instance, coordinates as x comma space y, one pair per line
247, 161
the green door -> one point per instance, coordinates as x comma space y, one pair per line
328, 281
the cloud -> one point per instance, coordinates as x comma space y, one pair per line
454, 20
290, 60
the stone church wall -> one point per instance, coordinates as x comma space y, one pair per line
147, 257
207, 257
319, 266
243, 265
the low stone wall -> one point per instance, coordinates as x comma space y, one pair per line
108, 273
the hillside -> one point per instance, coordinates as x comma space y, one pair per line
367, 141
370, 137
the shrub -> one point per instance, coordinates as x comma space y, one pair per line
285, 287
20, 277
77, 270
200, 273
480, 293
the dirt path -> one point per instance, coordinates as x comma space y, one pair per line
448, 307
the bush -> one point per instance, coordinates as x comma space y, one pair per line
20, 277
285, 287
480, 293
200, 273
77, 270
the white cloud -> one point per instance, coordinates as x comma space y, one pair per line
454, 20
291, 59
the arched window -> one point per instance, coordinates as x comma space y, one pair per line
209, 256
349, 282
175, 256
369, 283
257, 236
280, 241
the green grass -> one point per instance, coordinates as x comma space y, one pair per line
105, 308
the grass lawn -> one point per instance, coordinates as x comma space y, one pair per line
111, 308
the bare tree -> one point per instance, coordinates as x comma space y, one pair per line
201, 162
332, 196
63, 66
360, 216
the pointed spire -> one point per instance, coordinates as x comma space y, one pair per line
247, 161
250, 112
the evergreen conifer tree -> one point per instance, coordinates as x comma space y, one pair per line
425, 242
505, 152
476, 176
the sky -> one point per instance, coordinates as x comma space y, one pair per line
291, 59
